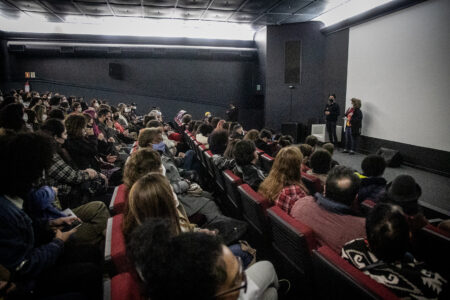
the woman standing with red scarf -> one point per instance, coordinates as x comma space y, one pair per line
353, 126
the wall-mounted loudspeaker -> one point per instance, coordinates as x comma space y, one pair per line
292, 62
115, 71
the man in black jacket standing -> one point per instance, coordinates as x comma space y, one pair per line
232, 113
332, 113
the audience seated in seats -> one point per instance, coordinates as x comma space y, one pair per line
185, 121
306, 150
203, 133
252, 135
246, 157
205, 268
38, 254
330, 215
226, 126
372, 183
195, 127
219, 125
76, 107
330, 148
11, 117
214, 122
312, 141
81, 142
31, 123
170, 144
384, 257
123, 110
56, 113
218, 142
190, 194
54, 102
405, 192
261, 143
320, 162
283, 187
283, 141
62, 173
226, 162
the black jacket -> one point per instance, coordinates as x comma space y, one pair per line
356, 122
334, 110
83, 150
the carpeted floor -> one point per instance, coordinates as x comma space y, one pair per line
435, 188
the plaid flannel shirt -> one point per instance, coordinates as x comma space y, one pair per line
63, 176
288, 196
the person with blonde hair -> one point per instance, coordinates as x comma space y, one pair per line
252, 135
353, 123
283, 187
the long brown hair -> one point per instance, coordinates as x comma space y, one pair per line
150, 197
285, 171
75, 123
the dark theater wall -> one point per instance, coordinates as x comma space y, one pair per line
323, 70
195, 84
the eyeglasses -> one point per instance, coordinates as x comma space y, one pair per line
243, 285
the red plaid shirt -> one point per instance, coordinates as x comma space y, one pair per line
288, 196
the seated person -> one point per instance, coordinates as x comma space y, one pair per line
226, 161
218, 141
330, 148
372, 182
262, 142
284, 186
283, 141
320, 163
384, 257
312, 140
203, 133
405, 192
306, 150
330, 215
38, 252
252, 135
237, 132
205, 268
246, 157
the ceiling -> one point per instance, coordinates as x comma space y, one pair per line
258, 13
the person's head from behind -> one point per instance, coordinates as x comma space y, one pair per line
311, 140
186, 119
387, 232
56, 129
373, 165
75, 125
285, 171
11, 117
149, 137
214, 122
342, 185
55, 101
150, 196
218, 141
41, 112
252, 135
23, 157
306, 150
205, 129
285, 140
320, 161
196, 126
205, 268
329, 147
141, 162
265, 135
56, 113
245, 153
154, 124
405, 192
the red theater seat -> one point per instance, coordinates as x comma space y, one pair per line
313, 183
266, 162
335, 278
254, 207
209, 163
122, 287
115, 249
233, 202
118, 199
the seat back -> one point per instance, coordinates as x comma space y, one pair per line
209, 163
335, 278
432, 245
118, 199
313, 183
122, 286
115, 248
233, 198
292, 239
366, 206
218, 176
266, 162
254, 207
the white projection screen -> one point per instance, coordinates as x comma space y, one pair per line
399, 66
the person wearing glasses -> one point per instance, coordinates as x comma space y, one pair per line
194, 265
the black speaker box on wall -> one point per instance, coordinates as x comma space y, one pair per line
292, 62
296, 130
392, 157
115, 71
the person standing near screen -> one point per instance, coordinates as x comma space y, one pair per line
232, 113
332, 112
353, 123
